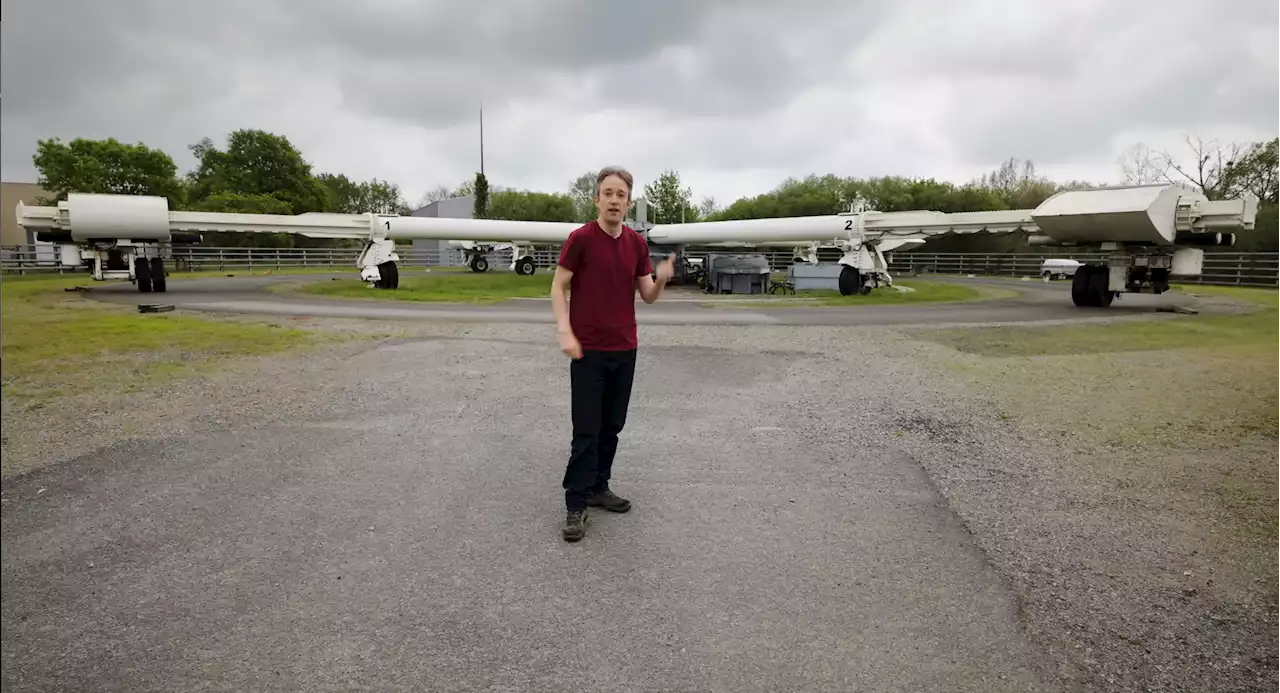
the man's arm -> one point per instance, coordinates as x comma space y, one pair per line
650, 288
570, 257
559, 286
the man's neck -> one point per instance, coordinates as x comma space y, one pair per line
612, 229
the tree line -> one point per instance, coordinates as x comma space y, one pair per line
262, 172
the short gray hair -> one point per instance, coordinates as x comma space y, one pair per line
618, 171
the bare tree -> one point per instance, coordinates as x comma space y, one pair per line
1140, 165
440, 192
1210, 162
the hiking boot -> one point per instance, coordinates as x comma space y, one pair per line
609, 501
574, 527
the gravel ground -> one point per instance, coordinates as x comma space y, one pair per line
1104, 605
1147, 567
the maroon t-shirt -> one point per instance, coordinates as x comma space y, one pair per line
602, 292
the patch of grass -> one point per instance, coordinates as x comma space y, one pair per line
437, 287
491, 288
1259, 326
56, 343
1186, 404
923, 292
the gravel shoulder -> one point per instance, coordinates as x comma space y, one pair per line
1136, 516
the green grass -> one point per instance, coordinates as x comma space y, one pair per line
923, 292
438, 287
55, 343
1187, 402
488, 288
1189, 378
1196, 331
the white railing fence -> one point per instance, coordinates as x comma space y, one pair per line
1220, 268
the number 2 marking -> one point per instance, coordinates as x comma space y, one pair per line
848, 225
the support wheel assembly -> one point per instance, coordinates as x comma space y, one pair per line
142, 274
157, 275
389, 274
525, 266
850, 281
479, 263
1089, 287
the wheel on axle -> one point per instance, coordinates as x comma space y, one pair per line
389, 276
1089, 287
1080, 285
157, 274
850, 281
479, 263
1100, 295
142, 274
525, 266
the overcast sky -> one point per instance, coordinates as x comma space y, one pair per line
734, 94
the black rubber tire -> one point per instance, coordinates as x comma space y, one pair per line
388, 276
158, 283
850, 281
525, 266
1080, 286
479, 263
1099, 295
142, 274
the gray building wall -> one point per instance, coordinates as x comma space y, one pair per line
452, 208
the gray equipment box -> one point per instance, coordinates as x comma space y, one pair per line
737, 274
824, 275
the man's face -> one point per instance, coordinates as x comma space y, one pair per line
613, 199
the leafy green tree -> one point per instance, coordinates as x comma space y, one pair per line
583, 193
480, 209
348, 197
1253, 170
257, 163
343, 194
105, 166
669, 201
519, 205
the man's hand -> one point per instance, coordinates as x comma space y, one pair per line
666, 269
569, 345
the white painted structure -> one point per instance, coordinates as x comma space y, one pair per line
1152, 231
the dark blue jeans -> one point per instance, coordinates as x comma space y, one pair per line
599, 392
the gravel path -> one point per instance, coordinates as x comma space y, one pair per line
387, 513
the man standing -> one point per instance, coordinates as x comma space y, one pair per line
602, 263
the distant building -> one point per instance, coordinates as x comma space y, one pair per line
10, 194
451, 208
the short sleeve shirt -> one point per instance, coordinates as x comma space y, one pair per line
602, 292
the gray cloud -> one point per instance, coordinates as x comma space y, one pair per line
1062, 86
739, 94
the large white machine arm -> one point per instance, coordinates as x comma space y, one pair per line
1157, 215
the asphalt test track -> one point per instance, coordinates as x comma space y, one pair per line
1036, 301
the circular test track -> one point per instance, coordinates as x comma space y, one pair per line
1034, 301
